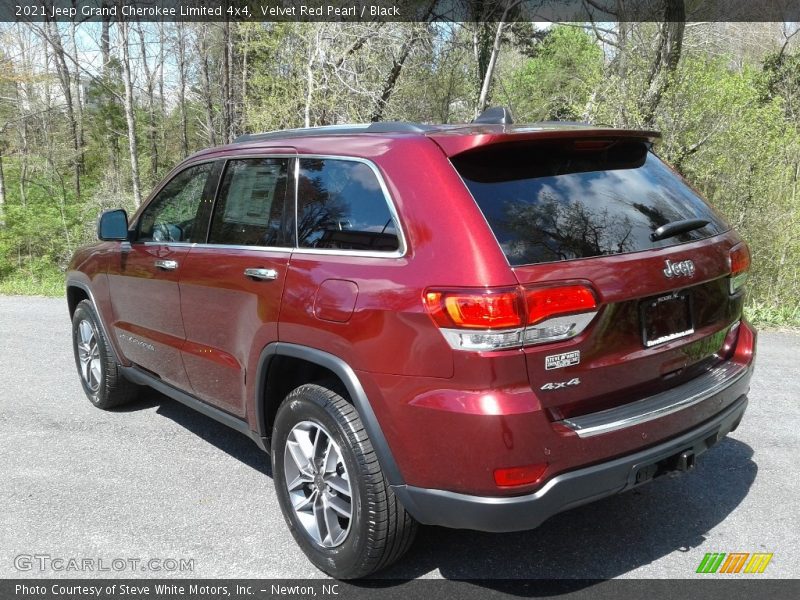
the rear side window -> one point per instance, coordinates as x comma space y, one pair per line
254, 208
553, 202
341, 205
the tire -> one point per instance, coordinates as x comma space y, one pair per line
379, 530
100, 375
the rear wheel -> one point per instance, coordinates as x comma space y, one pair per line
101, 377
333, 494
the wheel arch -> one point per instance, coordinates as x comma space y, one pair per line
78, 291
268, 396
75, 295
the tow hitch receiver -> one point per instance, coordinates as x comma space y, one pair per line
685, 461
672, 465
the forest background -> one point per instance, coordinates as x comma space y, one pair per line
93, 115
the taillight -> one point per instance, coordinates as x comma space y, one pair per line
544, 303
558, 313
740, 265
510, 317
487, 309
481, 313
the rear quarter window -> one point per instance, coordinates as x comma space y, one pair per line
554, 202
341, 205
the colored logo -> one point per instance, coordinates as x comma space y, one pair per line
734, 562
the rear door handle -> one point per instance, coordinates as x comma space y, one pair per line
167, 265
263, 274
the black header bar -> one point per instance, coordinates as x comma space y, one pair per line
402, 10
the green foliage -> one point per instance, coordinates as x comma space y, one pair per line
40, 232
736, 146
781, 79
770, 315
558, 81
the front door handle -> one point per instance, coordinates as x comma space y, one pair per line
262, 274
167, 265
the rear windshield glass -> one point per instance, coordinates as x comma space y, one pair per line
553, 202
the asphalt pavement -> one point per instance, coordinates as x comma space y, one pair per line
156, 481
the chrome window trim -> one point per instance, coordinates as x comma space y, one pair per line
166, 243
245, 247
353, 253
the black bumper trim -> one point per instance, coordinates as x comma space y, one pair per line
562, 492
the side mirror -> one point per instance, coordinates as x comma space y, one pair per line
113, 226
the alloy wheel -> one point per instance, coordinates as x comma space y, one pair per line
89, 356
318, 484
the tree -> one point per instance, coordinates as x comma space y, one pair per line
181, 38
52, 35
130, 117
150, 76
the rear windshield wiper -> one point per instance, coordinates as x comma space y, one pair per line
677, 227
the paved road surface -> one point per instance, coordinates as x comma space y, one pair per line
157, 480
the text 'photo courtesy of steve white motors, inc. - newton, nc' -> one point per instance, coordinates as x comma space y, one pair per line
177, 590
196, 10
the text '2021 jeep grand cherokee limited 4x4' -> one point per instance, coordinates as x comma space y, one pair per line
472, 326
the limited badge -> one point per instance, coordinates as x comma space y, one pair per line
559, 361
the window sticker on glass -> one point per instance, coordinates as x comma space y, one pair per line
251, 195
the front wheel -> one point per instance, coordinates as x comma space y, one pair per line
101, 379
334, 496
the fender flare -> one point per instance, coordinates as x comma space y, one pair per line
354, 388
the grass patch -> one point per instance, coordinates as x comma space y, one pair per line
768, 315
50, 283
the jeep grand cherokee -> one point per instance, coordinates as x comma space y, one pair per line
474, 326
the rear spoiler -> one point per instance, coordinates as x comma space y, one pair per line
463, 139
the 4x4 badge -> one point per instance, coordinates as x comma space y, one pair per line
557, 385
678, 269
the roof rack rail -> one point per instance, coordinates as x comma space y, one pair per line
496, 115
557, 122
377, 127
398, 127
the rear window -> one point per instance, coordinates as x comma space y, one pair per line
579, 199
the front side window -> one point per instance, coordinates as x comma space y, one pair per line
341, 205
253, 206
172, 215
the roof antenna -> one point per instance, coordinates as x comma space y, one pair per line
496, 115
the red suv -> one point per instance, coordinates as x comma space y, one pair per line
474, 326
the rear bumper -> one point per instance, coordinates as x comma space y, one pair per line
581, 486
